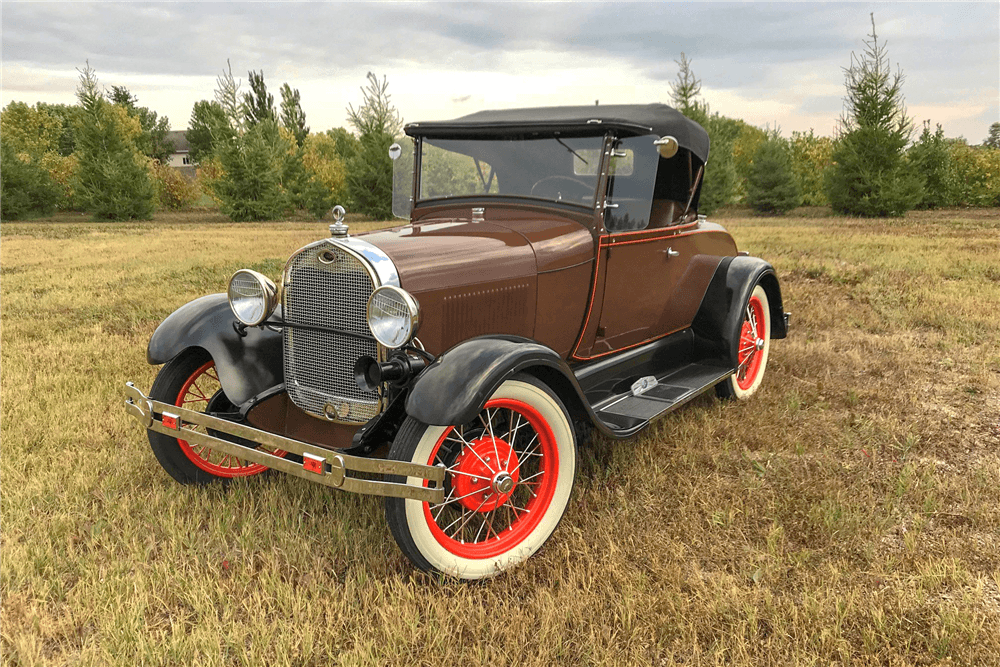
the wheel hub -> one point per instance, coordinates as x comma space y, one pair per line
759, 344
485, 473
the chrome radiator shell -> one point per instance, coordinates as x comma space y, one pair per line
327, 285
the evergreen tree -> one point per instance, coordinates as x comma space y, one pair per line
293, 118
720, 178
227, 94
114, 183
250, 186
209, 126
347, 145
152, 140
369, 172
258, 104
870, 175
932, 160
771, 186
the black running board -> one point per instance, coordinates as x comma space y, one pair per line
631, 412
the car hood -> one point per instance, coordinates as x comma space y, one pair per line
443, 252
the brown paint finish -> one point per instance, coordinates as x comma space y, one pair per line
643, 292
562, 302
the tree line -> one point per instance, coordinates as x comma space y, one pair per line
107, 155
259, 160
871, 168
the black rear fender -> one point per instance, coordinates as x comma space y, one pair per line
720, 316
247, 365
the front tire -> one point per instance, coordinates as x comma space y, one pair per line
752, 349
190, 381
510, 475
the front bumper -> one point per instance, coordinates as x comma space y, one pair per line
319, 465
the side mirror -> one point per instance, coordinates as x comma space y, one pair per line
395, 151
667, 146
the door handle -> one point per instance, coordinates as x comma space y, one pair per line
670, 252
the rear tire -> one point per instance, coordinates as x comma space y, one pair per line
190, 381
752, 349
511, 472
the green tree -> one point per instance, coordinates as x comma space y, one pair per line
932, 160
346, 144
870, 175
26, 188
152, 140
114, 183
209, 126
993, 141
771, 186
68, 116
249, 187
293, 118
369, 171
258, 104
685, 90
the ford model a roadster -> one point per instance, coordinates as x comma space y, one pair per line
554, 277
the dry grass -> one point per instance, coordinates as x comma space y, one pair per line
848, 514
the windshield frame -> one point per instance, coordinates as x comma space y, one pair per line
589, 205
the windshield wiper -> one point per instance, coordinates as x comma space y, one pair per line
570, 150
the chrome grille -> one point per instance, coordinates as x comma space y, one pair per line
326, 286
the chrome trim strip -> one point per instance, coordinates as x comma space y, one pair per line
145, 410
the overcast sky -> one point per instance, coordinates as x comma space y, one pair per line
767, 63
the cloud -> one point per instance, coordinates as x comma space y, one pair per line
756, 60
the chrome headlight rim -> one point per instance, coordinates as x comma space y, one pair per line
266, 294
406, 327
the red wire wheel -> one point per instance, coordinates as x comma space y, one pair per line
509, 476
199, 393
191, 381
751, 344
501, 483
752, 348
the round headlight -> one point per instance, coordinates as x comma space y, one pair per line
393, 316
252, 296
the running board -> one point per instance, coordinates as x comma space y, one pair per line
632, 411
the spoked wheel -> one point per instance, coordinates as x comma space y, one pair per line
510, 474
190, 381
754, 344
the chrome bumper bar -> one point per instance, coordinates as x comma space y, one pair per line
319, 465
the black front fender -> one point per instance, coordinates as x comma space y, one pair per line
247, 365
454, 388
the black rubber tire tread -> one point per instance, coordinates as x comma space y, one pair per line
402, 449
165, 388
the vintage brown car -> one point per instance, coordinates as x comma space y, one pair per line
554, 278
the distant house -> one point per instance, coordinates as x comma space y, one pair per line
180, 158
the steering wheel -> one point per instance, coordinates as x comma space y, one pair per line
583, 187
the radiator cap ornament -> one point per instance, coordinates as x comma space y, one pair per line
338, 229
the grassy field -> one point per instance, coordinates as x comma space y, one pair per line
847, 514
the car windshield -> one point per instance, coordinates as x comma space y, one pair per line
555, 169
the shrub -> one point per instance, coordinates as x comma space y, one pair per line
811, 157
976, 175
26, 188
771, 186
173, 190
932, 160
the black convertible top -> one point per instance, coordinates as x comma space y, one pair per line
626, 119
